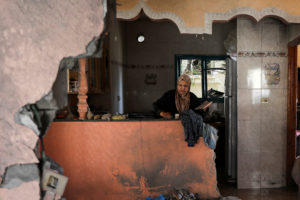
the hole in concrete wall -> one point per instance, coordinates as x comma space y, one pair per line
38, 116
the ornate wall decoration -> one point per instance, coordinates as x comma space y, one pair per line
261, 54
201, 21
150, 79
272, 73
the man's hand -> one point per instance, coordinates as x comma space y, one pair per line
166, 115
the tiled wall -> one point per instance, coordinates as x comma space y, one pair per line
261, 106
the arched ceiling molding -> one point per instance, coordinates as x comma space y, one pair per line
209, 17
142, 5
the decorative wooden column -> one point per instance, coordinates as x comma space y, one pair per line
83, 88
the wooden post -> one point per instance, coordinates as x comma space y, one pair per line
291, 113
83, 88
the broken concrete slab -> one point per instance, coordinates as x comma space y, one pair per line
26, 117
27, 190
15, 175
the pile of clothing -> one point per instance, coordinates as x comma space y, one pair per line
182, 194
194, 127
175, 194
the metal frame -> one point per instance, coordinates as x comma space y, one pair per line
204, 60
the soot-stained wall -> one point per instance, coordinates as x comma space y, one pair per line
155, 58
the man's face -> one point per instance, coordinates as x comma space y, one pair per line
182, 88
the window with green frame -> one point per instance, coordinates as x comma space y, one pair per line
207, 75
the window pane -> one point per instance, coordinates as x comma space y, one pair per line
216, 80
216, 64
192, 67
196, 85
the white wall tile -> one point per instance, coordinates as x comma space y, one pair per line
274, 108
272, 169
273, 136
264, 166
249, 173
249, 72
274, 35
249, 135
249, 104
248, 31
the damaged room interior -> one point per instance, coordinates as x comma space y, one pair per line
86, 112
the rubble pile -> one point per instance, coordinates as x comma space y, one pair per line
185, 194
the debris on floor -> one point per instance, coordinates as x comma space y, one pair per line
161, 197
184, 194
53, 181
230, 198
296, 171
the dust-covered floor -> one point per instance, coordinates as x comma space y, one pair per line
260, 194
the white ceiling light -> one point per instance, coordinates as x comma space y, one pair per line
140, 38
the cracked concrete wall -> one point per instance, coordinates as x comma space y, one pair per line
34, 37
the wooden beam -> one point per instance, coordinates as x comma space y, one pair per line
291, 113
